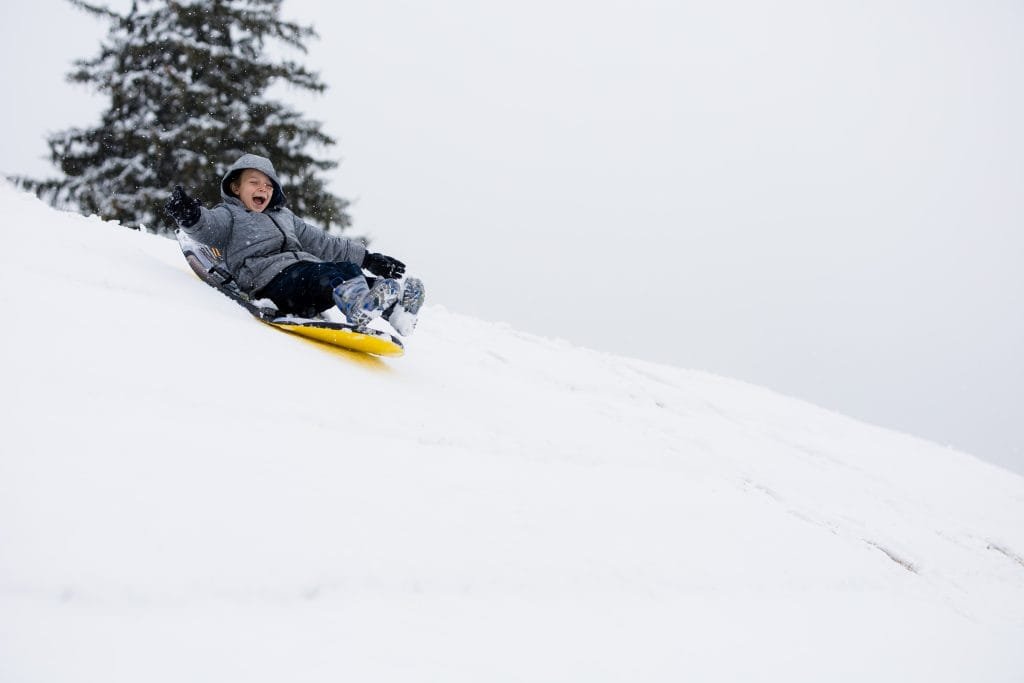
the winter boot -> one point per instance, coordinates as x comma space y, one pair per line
360, 303
404, 315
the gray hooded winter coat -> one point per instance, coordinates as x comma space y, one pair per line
259, 245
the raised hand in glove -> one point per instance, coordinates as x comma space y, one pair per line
383, 266
182, 208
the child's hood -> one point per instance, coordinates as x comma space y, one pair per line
261, 164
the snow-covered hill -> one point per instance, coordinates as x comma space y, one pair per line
187, 495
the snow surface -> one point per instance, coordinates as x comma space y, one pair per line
188, 495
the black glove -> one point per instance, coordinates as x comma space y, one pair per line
384, 266
182, 208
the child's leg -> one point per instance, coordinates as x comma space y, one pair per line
361, 304
306, 288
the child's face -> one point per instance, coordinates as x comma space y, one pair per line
254, 189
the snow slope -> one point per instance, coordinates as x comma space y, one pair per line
187, 495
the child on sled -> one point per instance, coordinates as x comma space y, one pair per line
273, 254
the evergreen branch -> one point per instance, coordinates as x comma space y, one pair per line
95, 9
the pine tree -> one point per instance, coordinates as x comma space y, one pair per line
187, 84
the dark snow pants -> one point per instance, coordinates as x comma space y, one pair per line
305, 288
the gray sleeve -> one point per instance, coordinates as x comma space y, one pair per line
213, 227
329, 247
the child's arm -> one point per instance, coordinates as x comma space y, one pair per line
209, 227
329, 247
213, 227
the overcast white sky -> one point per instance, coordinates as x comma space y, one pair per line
821, 197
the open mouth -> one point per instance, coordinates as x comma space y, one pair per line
259, 201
